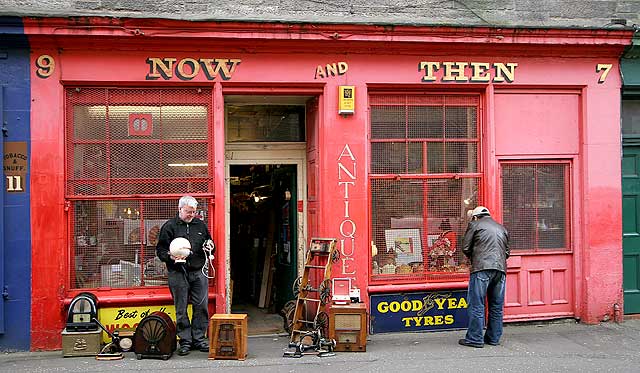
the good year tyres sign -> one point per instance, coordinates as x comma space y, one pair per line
420, 311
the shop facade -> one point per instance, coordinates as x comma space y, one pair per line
15, 240
630, 71
381, 138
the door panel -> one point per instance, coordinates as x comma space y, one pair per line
539, 286
631, 228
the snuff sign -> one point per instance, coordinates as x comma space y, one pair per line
129, 317
15, 166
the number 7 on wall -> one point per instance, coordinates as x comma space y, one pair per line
605, 68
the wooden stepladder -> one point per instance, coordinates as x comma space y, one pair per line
313, 289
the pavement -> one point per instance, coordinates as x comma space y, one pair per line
558, 346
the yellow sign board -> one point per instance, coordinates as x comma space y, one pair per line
346, 99
129, 317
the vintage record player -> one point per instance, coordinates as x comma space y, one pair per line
155, 337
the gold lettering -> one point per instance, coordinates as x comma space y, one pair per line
429, 68
480, 72
454, 71
342, 67
195, 68
417, 305
165, 65
451, 303
332, 69
438, 319
428, 320
448, 319
505, 72
407, 321
226, 67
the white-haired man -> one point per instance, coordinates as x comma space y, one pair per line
186, 279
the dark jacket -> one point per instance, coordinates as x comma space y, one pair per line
486, 244
196, 232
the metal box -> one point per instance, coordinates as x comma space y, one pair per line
348, 326
228, 336
81, 343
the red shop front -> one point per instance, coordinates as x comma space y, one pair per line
381, 138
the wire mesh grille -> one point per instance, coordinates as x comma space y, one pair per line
424, 134
416, 220
535, 205
114, 241
138, 141
416, 224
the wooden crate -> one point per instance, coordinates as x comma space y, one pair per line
348, 326
228, 336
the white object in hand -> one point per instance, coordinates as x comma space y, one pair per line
180, 248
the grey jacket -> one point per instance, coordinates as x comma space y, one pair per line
486, 244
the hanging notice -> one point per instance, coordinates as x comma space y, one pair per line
422, 311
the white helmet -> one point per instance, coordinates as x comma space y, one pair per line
480, 210
180, 247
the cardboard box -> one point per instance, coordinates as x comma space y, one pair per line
81, 343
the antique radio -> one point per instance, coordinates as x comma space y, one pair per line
82, 312
348, 326
155, 337
228, 336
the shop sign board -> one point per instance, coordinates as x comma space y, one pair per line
420, 311
127, 317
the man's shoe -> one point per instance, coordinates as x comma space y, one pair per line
491, 343
203, 347
464, 342
184, 350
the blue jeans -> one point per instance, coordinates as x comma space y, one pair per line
490, 284
194, 285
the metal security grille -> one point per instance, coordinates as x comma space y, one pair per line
130, 154
138, 141
114, 241
424, 177
536, 205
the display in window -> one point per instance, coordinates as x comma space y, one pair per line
405, 244
441, 253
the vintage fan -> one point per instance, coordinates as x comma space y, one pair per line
155, 337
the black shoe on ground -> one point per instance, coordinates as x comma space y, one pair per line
203, 347
491, 343
184, 350
464, 342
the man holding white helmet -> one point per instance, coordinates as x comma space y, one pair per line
180, 246
486, 244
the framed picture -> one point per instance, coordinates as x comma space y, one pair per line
405, 243
323, 245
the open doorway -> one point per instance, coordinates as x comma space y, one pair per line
262, 238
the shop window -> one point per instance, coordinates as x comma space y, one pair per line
114, 241
535, 205
130, 154
265, 123
631, 116
424, 177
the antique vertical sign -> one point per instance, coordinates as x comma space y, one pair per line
16, 163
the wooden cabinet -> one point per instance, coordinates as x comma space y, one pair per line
348, 326
228, 336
